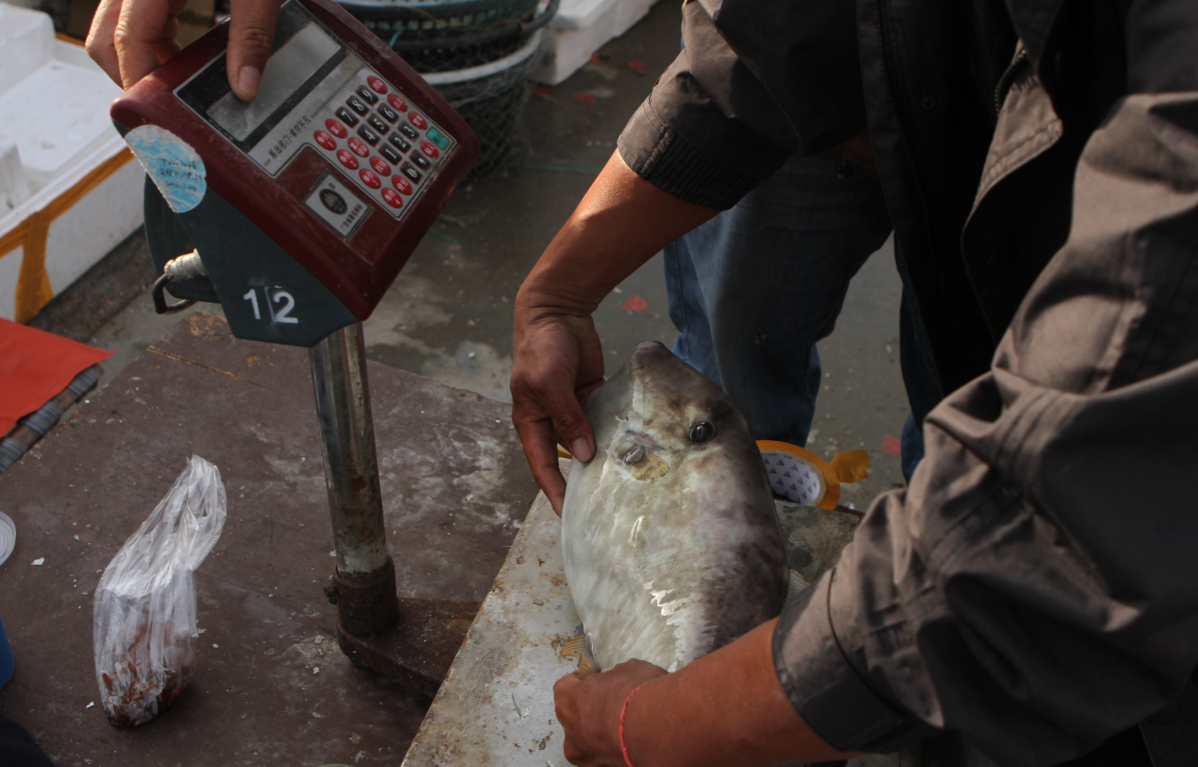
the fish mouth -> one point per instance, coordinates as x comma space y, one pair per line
650, 345
639, 437
645, 350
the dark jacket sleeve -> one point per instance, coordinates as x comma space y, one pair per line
1036, 586
755, 83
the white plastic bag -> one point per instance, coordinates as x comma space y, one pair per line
145, 608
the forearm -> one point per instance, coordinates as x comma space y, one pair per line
726, 708
556, 357
621, 223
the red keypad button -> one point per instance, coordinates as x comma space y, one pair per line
393, 199
380, 166
398, 103
369, 179
376, 85
359, 147
417, 120
348, 160
401, 184
336, 128
429, 150
325, 140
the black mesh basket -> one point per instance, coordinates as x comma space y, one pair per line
442, 37
491, 98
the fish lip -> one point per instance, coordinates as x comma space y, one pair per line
646, 349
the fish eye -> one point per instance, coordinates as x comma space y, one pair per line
702, 432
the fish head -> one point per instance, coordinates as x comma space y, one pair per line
658, 413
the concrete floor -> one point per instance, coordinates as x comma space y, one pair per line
448, 315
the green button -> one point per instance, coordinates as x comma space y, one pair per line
437, 137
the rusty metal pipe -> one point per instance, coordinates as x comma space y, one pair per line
364, 585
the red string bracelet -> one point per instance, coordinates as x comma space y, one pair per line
623, 713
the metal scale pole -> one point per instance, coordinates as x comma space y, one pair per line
363, 587
412, 641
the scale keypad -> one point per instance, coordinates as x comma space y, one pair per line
390, 147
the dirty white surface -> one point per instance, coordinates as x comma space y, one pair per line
496, 705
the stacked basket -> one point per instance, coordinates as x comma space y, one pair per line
476, 53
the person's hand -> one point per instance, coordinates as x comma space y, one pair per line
557, 361
130, 38
556, 356
589, 711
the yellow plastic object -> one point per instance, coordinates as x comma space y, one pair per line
800, 476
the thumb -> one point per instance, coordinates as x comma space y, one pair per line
572, 426
565, 684
251, 37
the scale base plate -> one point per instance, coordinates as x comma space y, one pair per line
418, 650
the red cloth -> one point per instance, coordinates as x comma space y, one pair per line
35, 366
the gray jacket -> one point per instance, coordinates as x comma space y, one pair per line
1036, 586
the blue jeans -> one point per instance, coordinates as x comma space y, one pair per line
754, 289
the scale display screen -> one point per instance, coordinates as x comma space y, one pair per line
289, 68
303, 58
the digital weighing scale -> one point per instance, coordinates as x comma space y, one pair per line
295, 212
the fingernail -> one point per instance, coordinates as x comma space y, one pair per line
581, 449
248, 79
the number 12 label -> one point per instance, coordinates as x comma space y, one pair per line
271, 296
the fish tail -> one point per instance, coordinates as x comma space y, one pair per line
579, 647
794, 586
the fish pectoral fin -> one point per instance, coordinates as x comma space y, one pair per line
580, 648
651, 467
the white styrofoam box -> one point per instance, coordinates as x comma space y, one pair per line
581, 14
54, 105
14, 189
82, 234
581, 27
26, 44
85, 233
10, 271
52, 140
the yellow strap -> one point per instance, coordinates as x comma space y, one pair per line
33, 285
850, 466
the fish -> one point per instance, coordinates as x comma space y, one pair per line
670, 541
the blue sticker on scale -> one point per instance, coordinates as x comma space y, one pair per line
171, 163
